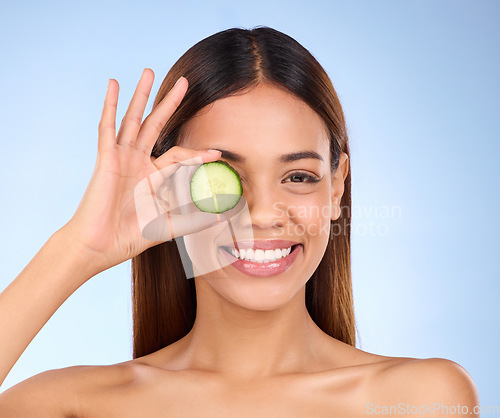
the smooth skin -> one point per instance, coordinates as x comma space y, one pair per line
249, 354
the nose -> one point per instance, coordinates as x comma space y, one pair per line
265, 210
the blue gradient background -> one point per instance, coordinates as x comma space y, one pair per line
419, 84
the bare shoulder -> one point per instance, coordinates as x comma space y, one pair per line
63, 392
422, 383
384, 385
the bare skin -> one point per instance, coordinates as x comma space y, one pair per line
254, 350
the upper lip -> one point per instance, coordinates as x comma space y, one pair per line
268, 244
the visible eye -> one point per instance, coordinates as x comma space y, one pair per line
299, 177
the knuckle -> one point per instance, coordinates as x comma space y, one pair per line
126, 144
135, 119
174, 153
104, 125
156, 124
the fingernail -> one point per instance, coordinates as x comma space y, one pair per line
177, 82
213, 150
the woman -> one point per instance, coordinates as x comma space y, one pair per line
248, 338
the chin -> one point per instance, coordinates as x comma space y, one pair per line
257, 297
255, 294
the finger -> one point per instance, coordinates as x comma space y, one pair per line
158, 223
156, 120
107, 124
160, 183
185, 156
171, 161
173, 170
166, 226
132, 120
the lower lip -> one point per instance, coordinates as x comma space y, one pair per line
263, 269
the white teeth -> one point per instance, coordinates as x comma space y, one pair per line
269, 254
260, 256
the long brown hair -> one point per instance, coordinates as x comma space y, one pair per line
227, 63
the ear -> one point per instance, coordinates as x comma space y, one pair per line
338, 179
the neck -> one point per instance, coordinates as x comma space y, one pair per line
242, 343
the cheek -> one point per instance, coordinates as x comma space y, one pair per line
201, 250
309, 215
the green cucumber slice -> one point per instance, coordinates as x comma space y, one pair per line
216, 187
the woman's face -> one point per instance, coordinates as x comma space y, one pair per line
282, 201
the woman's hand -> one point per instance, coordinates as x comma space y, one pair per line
105, 225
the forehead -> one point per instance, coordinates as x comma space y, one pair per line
263, 116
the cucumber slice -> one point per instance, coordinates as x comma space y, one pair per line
216, 187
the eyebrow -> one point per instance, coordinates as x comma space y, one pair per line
285, 158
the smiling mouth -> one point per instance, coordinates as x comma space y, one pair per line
259, 255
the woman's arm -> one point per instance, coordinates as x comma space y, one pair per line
105, 230
56, 271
